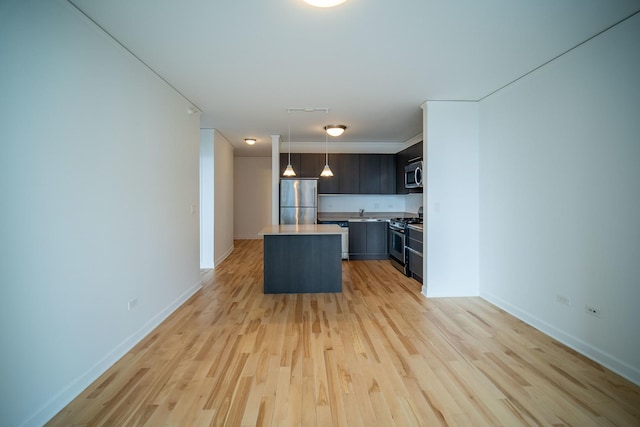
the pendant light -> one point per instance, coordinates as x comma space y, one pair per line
327, 170
289, 169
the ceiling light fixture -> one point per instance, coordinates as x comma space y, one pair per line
324, 3
335, 130
250, 141
289, 169
327, 170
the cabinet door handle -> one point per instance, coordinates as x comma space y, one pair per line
413, 251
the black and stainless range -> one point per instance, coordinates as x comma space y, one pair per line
397, 237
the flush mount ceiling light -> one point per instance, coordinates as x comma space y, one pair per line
250, 141
335, 130
324, 3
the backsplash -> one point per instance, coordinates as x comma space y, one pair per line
370, 203
412, 202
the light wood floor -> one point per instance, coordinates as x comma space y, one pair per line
378, 353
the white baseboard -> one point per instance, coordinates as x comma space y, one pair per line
221, 258
71, 391
605, 359
248, 237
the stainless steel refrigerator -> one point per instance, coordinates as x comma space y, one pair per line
298, 201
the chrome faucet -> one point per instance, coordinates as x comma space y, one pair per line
361, 212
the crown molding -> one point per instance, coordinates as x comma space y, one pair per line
349, 147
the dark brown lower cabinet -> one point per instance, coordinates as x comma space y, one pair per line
296, 264
368, 240
414, 249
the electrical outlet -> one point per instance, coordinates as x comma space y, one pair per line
132, 304
594, 311
563, 299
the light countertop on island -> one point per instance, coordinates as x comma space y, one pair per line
302, 229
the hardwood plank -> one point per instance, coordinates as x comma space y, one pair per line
378, 353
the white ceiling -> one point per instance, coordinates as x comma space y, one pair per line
371, 62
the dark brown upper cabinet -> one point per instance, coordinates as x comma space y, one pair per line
352, 173
402, 159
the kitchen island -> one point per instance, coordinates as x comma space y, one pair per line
302, 258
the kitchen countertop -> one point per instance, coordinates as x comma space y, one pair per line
303, 229
354, 216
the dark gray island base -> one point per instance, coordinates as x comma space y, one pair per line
302, 259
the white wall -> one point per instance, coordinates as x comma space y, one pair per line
207, 191
223, 197
98, 172
216, 198
252, 196
560, 197
452, 209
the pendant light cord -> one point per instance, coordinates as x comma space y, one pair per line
289, 113
326, 145
326, 149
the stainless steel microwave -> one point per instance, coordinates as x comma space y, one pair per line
413, 175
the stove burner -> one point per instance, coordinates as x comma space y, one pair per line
408, 220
